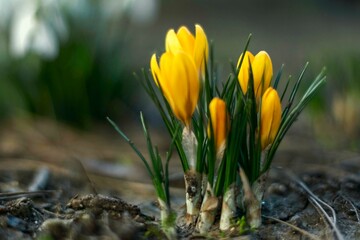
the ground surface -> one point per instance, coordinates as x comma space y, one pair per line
59, 182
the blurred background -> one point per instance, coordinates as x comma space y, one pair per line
67, 64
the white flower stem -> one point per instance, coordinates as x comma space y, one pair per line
193, 194
228, 208
190, 144
193, 182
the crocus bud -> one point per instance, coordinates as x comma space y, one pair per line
179, 81
262, 71
196, 46
270, 117
219, 121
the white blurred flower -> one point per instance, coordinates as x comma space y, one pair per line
39, 26
32, 30
44, 42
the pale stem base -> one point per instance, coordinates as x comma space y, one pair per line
167, 223
252, 204
190, 144
193, 194
228, 208
208, 211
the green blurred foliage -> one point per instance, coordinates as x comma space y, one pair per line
336, 111
81, 85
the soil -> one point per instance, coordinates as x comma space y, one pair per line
60, 183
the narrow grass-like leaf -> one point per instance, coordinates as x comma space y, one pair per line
168, 157
211, 152
153, 155
243, 54
235, 140
168, 117
219, 184
293, 93
278, 77
198, 126
156, 162
132, 145
285, 89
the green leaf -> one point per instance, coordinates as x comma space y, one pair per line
168, 117
132, 145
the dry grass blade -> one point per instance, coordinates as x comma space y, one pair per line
296, 228
318, 202
353, 206
308, 191
327, 217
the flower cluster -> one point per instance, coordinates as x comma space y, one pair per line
262, 72
227, 136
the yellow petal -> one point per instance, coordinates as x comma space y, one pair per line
201, 49
262, 72
184, 87
219, 121
244, 72
270, 116
186, 39
155, 70
166, 62
172, 43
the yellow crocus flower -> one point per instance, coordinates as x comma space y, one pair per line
270, 116
219, 121
244, 72
196, 46
178, 79
262, 71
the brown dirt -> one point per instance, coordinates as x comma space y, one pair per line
59, 182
